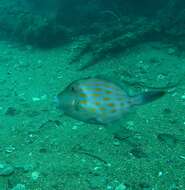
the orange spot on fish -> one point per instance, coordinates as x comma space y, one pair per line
83, 95
102, 108
107, 86
83, 102
111, 104
96, 95
97, 103
106, 98
98, 89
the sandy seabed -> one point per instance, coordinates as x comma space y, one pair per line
46, 150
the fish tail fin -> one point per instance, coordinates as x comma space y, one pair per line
146, 97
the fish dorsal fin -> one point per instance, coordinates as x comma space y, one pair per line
112, 79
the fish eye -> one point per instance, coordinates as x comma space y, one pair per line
73, 89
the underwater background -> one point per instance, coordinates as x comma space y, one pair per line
45, 45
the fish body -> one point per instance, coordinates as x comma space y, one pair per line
99, 101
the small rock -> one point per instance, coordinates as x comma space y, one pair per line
169, 139
167, 111
116, 142
24, 167
171, 51
35, 175
9, 149
97, 182
35, 99
11, 111
109, 187
138, 152
161, 77
19, 187
144, 185
43, 97
75, 127
160, 173
121, 187
130, 123
183, 97
6, 169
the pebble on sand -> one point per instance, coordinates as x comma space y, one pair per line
35, 175
19, 187
6, 169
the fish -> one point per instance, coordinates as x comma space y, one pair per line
100, 101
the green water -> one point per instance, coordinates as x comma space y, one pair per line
46, 45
